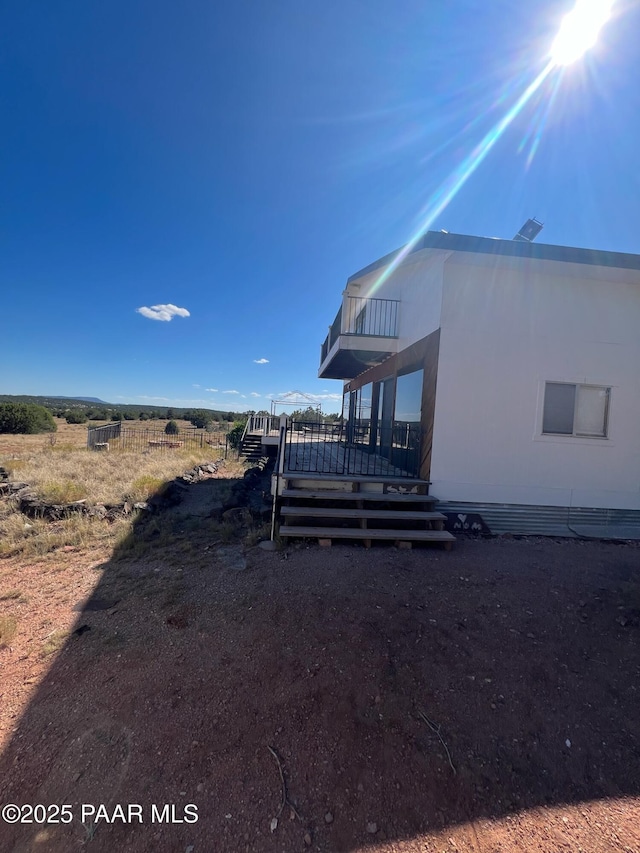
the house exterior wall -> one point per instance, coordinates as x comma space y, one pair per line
507, 326
417, 284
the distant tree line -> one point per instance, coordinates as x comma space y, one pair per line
197, 417
19, 414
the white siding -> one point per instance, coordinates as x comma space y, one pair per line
509, 325
417, 283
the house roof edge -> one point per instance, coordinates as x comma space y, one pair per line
507, 248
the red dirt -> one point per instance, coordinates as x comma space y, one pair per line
190, 671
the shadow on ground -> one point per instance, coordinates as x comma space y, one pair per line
357, 668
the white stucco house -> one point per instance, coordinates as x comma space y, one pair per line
519, 365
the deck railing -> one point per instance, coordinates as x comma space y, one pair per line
360, 450
263, 424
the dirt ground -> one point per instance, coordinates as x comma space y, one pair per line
484, 699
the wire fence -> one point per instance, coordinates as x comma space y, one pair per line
117, 436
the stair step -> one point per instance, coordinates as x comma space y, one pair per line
359, 533
331, 512
337, 495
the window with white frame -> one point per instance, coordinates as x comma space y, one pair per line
578, 410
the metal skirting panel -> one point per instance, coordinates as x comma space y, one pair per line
541, 520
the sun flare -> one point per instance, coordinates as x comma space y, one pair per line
579, 30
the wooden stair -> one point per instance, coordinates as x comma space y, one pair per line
360, 508
251, 447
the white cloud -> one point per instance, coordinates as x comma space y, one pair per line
261, 361
213, 390
230, 392
163, 312
255, 394
195, 386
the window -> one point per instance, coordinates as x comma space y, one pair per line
580, 410
409, 397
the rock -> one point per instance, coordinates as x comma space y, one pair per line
238, 516
328, 818
232, 557
171, 496
307, 839
268, 545
274, 824
372, 827
253, 472
141, 505
216, 511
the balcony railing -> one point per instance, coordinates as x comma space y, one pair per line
376, 318
359, 315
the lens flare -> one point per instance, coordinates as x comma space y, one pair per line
452, 186
579, 30
578, 33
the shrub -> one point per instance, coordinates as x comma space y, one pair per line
25, 418
200, 418
75, 417
171, 428
234, 436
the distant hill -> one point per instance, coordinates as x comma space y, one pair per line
83, 399
98, 409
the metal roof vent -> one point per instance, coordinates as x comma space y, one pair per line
529, 231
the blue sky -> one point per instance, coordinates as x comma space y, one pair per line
240, 160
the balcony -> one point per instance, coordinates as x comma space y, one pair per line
364, 333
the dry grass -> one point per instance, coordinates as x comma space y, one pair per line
8, 627
67, 471
74, 437
14, 595
68, 435
54, 643
37, 537
104, 477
